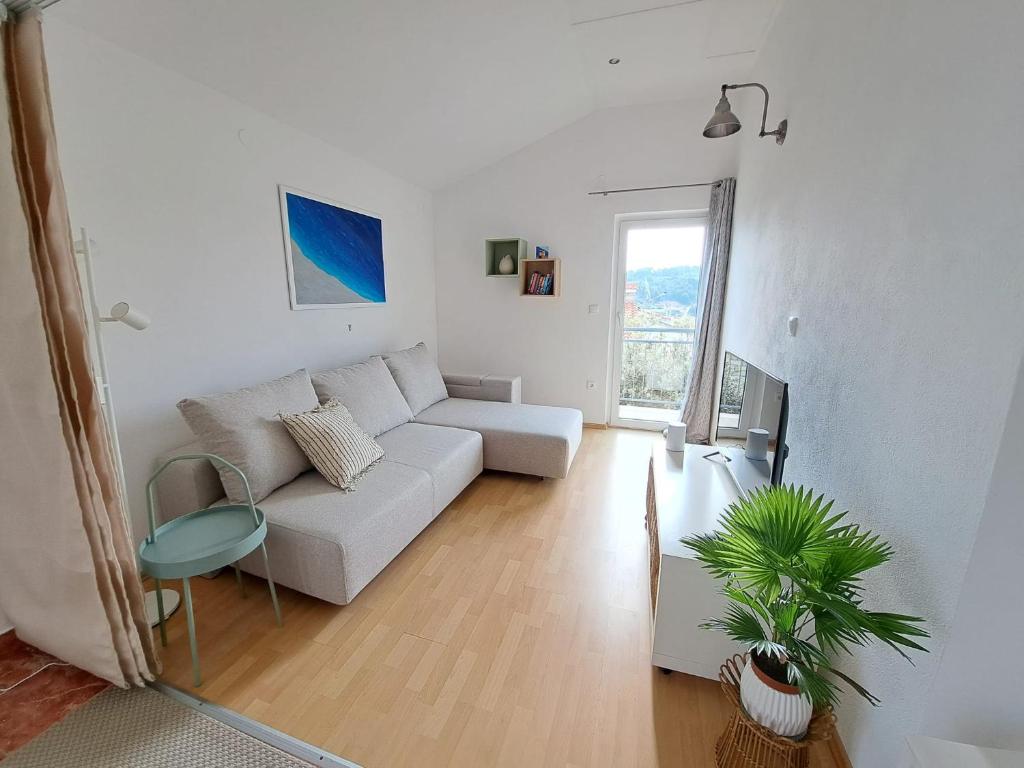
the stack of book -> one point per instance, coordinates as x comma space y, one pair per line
540, 284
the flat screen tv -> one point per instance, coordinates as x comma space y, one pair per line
753, 399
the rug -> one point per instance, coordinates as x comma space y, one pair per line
142, 728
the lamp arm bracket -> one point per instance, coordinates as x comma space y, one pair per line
780, 132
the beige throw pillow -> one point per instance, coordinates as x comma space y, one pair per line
417, 375
339, 448
242, 427
368, 391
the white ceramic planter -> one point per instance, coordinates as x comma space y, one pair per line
774, 705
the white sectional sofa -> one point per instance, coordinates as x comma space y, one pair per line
329, 543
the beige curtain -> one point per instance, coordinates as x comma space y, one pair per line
699, 407
68, 577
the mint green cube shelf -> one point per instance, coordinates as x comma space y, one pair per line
496, 248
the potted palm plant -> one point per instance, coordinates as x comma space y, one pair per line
792, 573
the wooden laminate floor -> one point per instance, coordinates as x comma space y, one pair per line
513, 631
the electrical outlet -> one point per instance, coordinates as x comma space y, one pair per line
592, 309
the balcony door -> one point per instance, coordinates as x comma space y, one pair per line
660, 272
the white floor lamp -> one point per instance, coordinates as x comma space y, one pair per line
121, 312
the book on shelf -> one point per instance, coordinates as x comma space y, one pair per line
540, 284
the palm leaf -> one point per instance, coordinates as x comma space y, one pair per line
895, 630
872, 699
820, 690
793, 574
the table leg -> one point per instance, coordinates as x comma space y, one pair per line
197, 680
160, 612
270, 583
238, 578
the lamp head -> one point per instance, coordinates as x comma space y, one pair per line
123, 313
723, 122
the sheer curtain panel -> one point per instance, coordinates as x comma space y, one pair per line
68, 577
699, 406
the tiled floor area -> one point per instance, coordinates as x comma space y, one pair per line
35, 705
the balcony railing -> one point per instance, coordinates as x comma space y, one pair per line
655, 365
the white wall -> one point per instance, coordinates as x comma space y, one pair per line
890, 224
976, 698
540, 194
188, 228
5, 623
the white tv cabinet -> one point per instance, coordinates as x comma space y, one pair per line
686, 495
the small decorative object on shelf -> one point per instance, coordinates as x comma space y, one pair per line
542, 252
748, 744
506, 266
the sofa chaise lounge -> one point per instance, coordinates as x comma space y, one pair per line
330, 543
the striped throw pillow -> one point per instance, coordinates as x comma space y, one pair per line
338, 447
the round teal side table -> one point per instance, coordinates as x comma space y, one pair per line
200, 542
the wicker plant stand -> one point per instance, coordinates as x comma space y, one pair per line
746, 744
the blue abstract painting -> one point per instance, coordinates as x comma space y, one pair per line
335, 255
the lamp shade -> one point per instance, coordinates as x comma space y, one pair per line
723, 122
123, 313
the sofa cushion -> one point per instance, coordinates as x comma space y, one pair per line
329, 543
242, 427
531, 439
452, 457
339, 449
369, 392
417, 375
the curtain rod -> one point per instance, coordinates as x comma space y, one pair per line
651, 189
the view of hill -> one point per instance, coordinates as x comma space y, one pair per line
656, 287
658, 335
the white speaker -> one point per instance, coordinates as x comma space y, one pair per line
675, 436
757, 444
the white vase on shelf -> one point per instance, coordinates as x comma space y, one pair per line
506, 266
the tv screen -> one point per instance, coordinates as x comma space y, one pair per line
753, 399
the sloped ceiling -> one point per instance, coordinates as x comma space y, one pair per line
432, 90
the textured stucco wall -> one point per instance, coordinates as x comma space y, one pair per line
892, 228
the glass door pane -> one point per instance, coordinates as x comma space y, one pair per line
660, 295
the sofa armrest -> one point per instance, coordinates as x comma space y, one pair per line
501, 389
